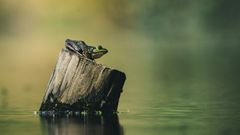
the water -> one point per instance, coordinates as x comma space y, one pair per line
160, 118
181, 59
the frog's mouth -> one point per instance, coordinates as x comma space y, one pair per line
99, 53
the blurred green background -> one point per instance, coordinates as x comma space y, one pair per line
179, 53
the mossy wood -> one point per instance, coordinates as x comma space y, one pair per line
80, 84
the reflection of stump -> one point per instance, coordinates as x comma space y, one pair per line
80, 84
94, 125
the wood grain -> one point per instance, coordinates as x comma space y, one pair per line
80, 84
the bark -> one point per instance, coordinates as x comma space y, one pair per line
80, 84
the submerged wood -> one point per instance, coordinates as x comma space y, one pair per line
80, 84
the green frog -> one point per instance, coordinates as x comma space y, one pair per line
85, 50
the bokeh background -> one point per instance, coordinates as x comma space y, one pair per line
175, 53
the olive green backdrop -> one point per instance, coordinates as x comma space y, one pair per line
181, 59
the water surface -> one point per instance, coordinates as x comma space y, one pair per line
160, 118
181, 59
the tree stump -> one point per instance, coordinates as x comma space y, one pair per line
80, 84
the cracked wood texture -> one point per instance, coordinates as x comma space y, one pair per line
80, 84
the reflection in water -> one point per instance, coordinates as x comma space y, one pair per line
94, 125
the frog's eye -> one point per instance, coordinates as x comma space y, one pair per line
99, 47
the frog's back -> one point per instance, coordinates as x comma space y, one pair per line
76, 45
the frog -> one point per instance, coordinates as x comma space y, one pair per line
87, 51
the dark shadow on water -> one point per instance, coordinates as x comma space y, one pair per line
94, 125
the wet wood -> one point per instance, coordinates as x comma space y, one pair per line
80, 84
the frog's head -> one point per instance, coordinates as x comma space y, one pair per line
99, 52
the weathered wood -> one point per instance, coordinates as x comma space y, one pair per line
80, 84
